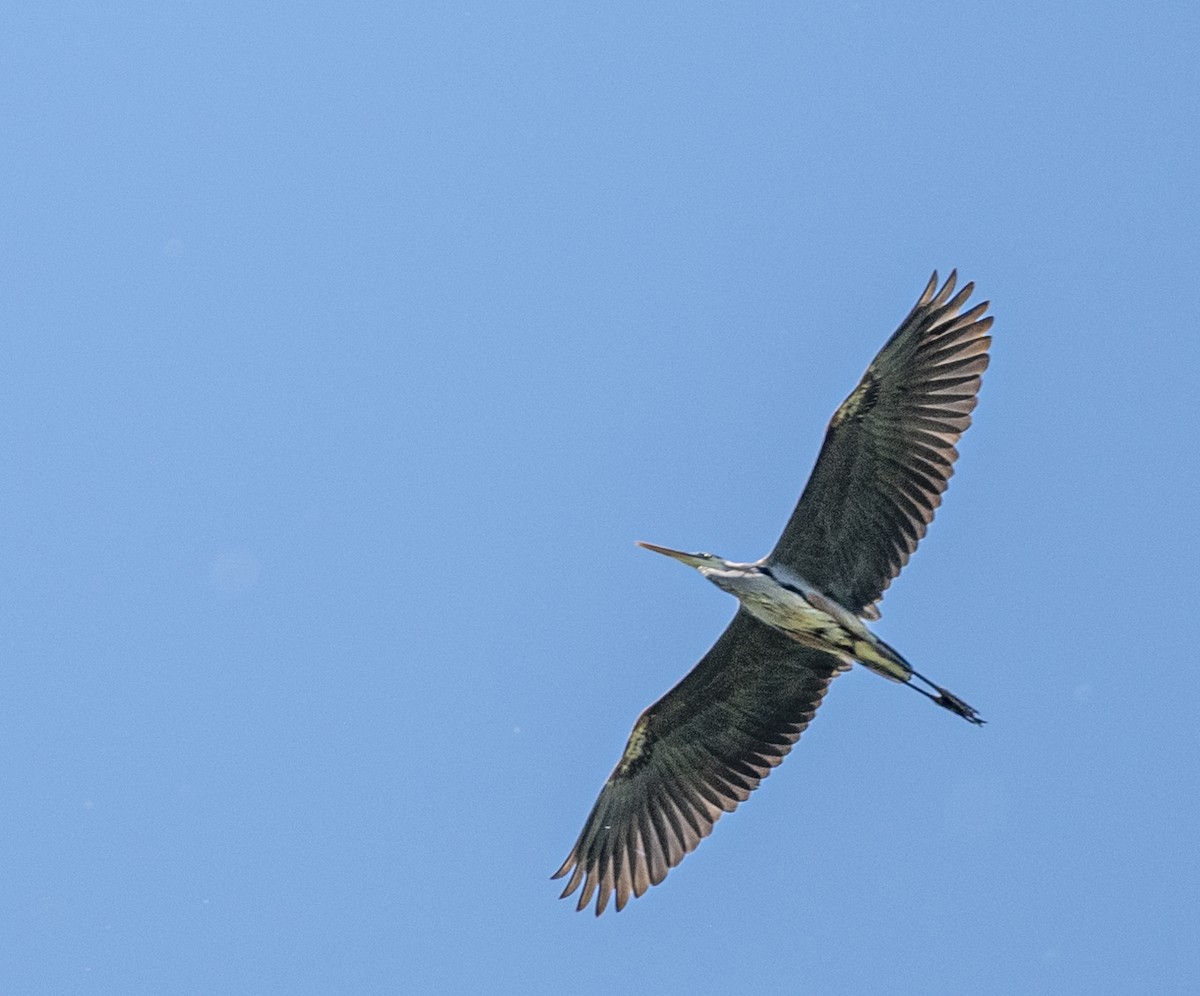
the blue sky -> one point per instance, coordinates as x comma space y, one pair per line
349, 349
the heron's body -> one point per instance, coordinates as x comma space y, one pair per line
786, 602
701, 749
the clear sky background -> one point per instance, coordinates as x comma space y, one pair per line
347, 351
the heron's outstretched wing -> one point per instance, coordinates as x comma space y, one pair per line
696, 753
889, 453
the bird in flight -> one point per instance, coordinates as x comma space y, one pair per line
703, 747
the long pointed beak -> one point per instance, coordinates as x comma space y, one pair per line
684, 558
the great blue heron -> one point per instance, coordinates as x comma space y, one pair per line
704, 746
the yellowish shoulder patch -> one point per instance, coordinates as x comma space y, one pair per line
639, 740
860, 401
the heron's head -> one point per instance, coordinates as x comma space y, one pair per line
703, 562
737, 579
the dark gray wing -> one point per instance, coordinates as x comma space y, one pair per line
889, 453
696, 753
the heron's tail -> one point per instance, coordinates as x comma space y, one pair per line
883, 659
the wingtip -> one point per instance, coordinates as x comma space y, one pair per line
927, 293
943, 295
937, 297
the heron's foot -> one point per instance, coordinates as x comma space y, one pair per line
948, 700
